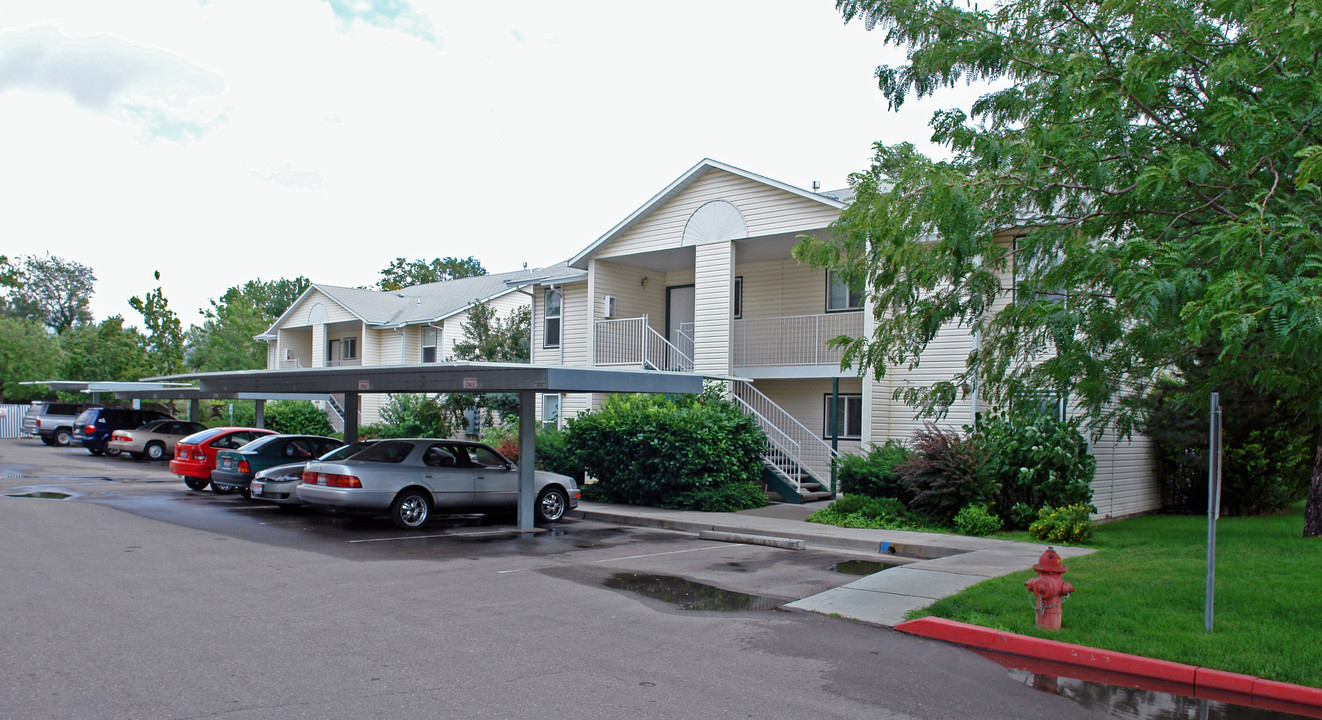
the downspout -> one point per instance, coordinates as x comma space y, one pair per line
403, 350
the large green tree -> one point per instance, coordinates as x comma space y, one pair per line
405, 273
27, 352
1132, 183
225, 341
105, 351
51, 290
165, 338
491, 338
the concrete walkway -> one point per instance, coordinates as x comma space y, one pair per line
930, 566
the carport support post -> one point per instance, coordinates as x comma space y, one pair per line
350, 417
527, 458
259, 413
194, 409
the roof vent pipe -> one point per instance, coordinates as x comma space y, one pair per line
816, 185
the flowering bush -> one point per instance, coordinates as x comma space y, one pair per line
1069, 524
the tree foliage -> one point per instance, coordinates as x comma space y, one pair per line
1137, 187
403, 273
51, 290
27, 352
225, 339
165, 341
490, 338
105, 351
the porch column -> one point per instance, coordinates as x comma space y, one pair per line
318, 345
713, 305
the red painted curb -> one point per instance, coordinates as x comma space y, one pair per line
1098, 659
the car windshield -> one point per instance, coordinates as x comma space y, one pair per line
387, 451
201, 437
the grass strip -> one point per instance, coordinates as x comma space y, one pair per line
1142, 592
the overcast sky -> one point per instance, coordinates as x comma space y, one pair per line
219, 141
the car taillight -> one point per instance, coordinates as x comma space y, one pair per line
199, 455
244, 466
89, 429
309, 478
344, 481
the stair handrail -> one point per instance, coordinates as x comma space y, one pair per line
786, 423
684, 362
785, 446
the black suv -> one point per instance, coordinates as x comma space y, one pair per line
92, 429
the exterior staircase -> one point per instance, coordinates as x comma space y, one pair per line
796, 462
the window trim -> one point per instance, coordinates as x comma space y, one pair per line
559, 401
737, 299
849, 296
845, 399
424, 347
547, 318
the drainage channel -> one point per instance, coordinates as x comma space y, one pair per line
1117, 695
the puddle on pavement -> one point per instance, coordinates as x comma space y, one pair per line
688, 595
44, 495
860, 567
1125, 696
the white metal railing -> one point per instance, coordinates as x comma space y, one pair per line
293, 364
797, 340
792, 447
684, 338
631, 341
344, 363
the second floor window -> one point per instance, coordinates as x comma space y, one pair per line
429, 345
551, 321
738, 299
840, 296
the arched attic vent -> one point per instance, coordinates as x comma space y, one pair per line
317, 315
716, 221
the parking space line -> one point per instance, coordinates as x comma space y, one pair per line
631, 557
424, 537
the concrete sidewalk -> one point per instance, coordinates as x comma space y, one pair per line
930, 566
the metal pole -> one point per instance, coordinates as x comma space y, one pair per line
1213, 504
835, 423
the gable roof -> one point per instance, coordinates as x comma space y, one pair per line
675, 188
431, 302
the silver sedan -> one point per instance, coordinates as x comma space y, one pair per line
279, 484
412, 478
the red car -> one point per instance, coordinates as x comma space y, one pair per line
195, 455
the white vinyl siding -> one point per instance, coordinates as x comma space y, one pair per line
633, 298
802, 398
714, 283
766, 210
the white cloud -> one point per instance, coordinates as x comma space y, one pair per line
109, 77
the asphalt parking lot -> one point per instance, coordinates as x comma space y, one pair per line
135, 597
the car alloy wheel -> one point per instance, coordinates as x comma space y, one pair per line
551, 504
410, 510
155, 451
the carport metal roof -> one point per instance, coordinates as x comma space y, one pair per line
453, 377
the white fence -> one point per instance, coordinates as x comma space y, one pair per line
11, 420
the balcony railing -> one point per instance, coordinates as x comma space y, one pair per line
291, 364
797, 340
631, 341
344, 363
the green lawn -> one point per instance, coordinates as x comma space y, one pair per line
1142, 593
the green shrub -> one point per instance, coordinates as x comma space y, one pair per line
1266, 462
297, 417
946, 473
1069, 524
976, 520
415, 415
1036, 461
504, 437
555, 455
651, 449
731, 497
860, 511
872, 474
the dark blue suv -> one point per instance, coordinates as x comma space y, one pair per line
92, 429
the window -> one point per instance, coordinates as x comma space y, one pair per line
551, 320
550, 409
849, 417
738, 300
839, 297
349, 347
429, 344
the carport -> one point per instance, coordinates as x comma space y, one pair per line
457, 377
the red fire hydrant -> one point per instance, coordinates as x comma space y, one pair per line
1050, 588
